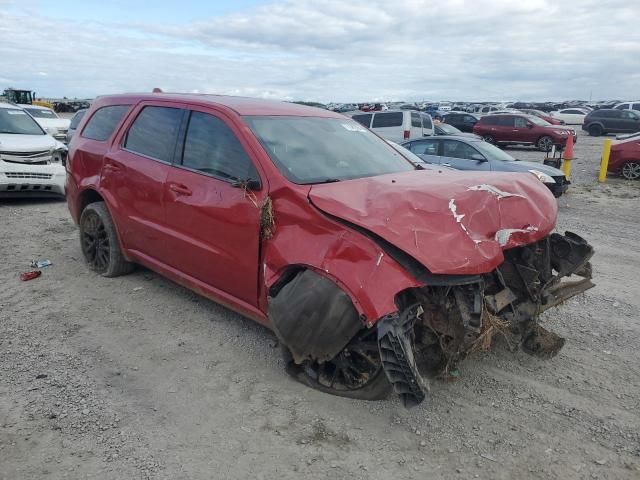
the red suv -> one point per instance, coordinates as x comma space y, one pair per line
522, 130
371, 271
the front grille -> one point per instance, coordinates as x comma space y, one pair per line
39, 153
22, 162
40, 176
561, 180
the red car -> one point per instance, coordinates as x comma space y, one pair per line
522, 129
372, 272
625, 157
543, 115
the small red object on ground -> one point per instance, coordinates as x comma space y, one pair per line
25, 276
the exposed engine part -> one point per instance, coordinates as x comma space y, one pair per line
439, 325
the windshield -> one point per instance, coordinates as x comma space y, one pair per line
76, 119
537, 121
318, 150
448, 129
18, 122
37, 113
491, 152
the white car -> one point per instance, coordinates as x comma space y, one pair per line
397, 125
628, 106
31, 162
571, 116
48, 119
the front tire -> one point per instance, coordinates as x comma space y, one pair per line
631, 170
99, 242
545, 143
595, 130
356, 372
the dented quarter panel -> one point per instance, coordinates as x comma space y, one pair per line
453, 223
304, 236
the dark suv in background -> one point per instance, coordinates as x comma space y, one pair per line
506, 129
609, 120
462, 121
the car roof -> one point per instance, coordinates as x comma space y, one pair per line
241, 105
9, 105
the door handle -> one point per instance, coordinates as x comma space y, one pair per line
179, 189
112, 167
446, 164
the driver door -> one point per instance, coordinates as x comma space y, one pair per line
462, 156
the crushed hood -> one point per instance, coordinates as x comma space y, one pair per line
451, 222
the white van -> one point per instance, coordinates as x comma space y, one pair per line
397, 125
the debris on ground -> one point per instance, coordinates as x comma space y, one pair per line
41, 263
26, 276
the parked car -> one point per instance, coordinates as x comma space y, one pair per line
445, 106
601, 122
625, 157
446, 129
486, 109
397, 125
31, 162
55, 126
543, 115
570, 116
310, 224
522, 130
73, 125
418, 162
635, 105
474, 154
462, 121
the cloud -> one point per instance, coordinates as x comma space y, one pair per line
344, 51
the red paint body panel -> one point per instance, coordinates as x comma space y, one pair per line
209, 240
416, 211
622, 152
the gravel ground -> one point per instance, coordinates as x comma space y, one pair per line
136, 377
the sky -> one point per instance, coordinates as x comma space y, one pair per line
325, 50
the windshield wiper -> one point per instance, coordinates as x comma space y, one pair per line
328, 180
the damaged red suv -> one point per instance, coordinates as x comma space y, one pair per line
373, 273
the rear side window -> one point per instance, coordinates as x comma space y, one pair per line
102, 124
505, 121
622, 106
425, 147
211, 147
415, 120
489, 120
76, 119
154, 132
393, 119
636, 106
364, 120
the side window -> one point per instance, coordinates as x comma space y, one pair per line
102, 124
629, 114
154, 132
415, 120
488, 120
75, 120
636, 106
364, 120
393, 119
425, 147
506, 121
426, 122
211, 147
622, 106
469, 119
455, 149
520, 122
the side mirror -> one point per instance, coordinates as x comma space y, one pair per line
478, 157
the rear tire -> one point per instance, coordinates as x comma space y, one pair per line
545, 143
595, 130
99, 242
631, 170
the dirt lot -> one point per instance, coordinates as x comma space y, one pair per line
136, 377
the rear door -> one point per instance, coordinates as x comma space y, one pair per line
462, 156
212, 216
389, 125
630, 120
134, 173
503, 130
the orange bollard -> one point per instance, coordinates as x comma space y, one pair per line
567, 157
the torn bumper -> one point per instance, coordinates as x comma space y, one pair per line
439, 324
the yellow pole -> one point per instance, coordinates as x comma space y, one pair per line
566, 167
604, 163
